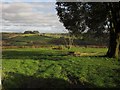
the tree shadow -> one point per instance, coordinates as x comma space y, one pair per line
117, 77
16, 80
34, 55
42, 55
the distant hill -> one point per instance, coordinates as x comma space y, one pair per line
21, 39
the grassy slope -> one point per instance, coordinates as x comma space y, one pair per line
26, 39
19, 39
53, 68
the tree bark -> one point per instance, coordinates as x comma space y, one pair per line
114, 44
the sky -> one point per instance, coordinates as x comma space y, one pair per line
29, 0
23, 15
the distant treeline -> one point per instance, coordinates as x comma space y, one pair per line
31, 32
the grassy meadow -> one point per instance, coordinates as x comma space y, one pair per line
46, 67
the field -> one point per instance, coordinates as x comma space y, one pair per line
20, 40
43, 61
49, 68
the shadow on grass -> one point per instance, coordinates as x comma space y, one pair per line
39, 55
35, 55
117, 78
16, 80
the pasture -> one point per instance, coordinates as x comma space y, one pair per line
49, 68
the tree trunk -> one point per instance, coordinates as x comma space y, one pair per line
69, 41
113, 50
114, 44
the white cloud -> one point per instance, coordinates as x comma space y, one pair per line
29, 0
39, 16
33, 10
26, 11
16, 7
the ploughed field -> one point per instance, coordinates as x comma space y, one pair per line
52, 68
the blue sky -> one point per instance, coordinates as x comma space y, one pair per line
22, 15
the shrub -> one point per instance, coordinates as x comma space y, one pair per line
30, 32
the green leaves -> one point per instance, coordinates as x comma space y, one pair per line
77, 16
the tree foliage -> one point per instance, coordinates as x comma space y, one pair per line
78, 17
31, 32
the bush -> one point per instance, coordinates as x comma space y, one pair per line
35, 32
30, 32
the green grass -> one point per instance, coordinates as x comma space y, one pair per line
27, 39
32, 38
20, 39
44, 67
